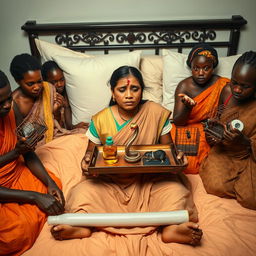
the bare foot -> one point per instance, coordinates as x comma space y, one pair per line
63, 232
185, 233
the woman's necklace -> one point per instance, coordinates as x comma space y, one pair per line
125, 120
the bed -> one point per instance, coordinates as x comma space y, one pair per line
158, 48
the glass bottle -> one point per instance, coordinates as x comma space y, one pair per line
110, 151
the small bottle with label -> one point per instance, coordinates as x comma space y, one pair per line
110, 151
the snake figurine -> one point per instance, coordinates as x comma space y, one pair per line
132, 156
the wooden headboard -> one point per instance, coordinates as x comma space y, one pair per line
179, 34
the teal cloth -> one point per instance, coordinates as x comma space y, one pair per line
118, 126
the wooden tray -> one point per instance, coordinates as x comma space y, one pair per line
98, 166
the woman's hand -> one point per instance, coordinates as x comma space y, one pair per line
187, 101
85, 162
210, 139
87, 158
81, 125
233, 135
48, 204
213, 131
22, 146
54, 190
59, 102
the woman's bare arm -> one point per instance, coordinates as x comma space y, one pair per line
181, 109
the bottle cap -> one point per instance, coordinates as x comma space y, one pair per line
109, 141
237, 124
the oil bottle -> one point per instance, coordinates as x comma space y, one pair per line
110, 151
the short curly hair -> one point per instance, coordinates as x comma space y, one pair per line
23, 63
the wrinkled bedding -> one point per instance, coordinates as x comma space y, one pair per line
229, 229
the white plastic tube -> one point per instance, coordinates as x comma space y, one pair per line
120, 219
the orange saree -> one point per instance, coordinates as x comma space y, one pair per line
206, 107
20, 224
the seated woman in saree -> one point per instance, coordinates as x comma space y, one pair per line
196, 99
28, 193
35, 98
53, 74
229, 169
131, 192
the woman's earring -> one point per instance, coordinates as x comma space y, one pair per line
114, 100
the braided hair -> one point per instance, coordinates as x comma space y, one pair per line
203, 49
247, 58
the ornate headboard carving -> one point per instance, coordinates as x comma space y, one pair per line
155, 35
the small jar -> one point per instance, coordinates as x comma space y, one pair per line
110, 151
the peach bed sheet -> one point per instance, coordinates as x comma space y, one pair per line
229, 229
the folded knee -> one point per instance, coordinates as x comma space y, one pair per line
249, 203
19, 236
218, 189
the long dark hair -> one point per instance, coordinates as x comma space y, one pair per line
122, 72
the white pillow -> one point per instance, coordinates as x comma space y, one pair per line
87, 77
48, 50
151, 67
175, 70
87, 81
